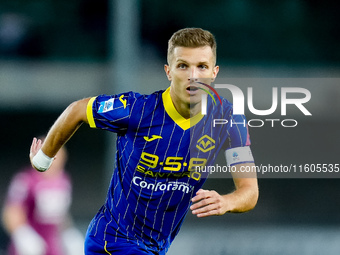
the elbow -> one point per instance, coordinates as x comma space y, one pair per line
250, 201
254, 199
245, 202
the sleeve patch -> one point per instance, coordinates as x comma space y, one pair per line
107, 106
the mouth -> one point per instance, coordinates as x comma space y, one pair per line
192, 88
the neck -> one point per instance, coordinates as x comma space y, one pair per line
187, 110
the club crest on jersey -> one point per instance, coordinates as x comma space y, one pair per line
106, 106
205, 143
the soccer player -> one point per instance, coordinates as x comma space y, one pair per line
36, 212
163, 141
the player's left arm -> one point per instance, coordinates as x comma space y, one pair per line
243, 199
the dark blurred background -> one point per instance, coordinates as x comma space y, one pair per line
55, 52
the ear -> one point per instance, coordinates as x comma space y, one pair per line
167, 72
215, 72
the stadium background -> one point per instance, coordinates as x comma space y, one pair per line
54, 52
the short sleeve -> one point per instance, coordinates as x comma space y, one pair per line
238, 131
110, 112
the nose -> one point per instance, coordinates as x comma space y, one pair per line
193, 73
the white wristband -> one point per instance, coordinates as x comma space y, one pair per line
41, 161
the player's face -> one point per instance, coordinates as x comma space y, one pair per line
186, 65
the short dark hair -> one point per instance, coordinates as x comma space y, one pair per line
192, 38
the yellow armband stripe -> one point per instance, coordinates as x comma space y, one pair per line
89, 113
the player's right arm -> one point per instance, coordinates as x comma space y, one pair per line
61, 131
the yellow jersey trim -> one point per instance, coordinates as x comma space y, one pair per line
89, 113
106, 249
174, 114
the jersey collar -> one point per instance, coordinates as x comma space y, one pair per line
174, 114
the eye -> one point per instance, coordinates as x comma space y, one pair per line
203, 67
181, 66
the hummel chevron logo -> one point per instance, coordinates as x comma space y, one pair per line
154, 137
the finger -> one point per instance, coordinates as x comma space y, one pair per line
206, 214
202, 203
205, 209
36, 145
200, 194
33, 143
213, 208
200, 191
39, 144
32, 149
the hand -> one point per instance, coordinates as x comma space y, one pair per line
207, 203
35, 147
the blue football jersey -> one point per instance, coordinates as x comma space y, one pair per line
158, 152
